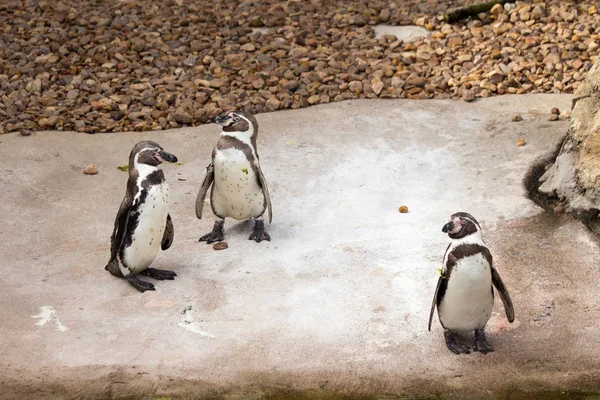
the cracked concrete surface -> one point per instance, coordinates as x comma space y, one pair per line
337, 303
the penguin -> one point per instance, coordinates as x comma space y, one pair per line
239, 189
464, 295
143, 224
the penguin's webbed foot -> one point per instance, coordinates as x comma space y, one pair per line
480, 344
259, 234
159, 274
216, 235
454, 345
140, 285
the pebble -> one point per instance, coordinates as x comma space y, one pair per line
182, 117
25, 132
517, 118
497, 9
521, 142
559, 209
555, 111
566, 114
90, 170
403, 209
220, 246
135, 65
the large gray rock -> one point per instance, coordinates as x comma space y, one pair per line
575, 175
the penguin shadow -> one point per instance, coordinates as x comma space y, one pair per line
240, 229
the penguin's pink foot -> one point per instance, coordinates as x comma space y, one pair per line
259, 234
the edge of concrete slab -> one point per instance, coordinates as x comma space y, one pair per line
137, 383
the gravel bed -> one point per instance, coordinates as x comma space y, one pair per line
121, 65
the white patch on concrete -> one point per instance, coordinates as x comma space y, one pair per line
404, 33
187, 323
48, 314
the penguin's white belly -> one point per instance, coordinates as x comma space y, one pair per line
236, 191
147, 236
468, 301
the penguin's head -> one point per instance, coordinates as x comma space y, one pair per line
149, 153
236, 121
461, 224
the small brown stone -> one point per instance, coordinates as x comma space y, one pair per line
468, 95
559, 209
377, 87
521, 142
220, 246
25, 132
248, 47
403, 209
455, 41
497, 9
182, 117
273, 104
517, 118
555, 111
48, 122
90, 170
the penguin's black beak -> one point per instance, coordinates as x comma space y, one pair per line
448, 227
219, 119
164, 156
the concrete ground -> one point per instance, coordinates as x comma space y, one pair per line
337, 303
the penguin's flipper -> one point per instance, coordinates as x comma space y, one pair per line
265, 189
499, 285
118, 236
167, 239
434, 302
208, 180
448, 263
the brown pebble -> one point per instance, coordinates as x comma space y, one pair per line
517, 118
90, 170
553, 117
403, 209
559, 209
220, 246
555, 111
25, 132
521, 142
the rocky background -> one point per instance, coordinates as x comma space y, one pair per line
121, 65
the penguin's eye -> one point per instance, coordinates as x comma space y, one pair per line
234, 119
